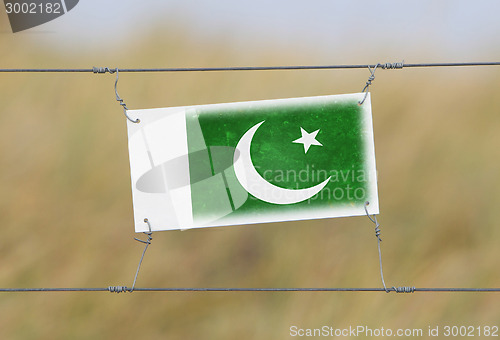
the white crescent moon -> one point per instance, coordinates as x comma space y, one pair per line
256, 185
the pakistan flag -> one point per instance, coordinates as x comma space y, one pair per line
252, 162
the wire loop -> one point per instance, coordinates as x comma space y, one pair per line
102, 70
147, 242
122, 289
120, 100
374, 220
377, 234
385, 66
368, 82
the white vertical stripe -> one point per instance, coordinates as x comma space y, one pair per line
167, 138
154, 143
139, 160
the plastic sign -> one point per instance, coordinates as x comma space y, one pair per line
252, 162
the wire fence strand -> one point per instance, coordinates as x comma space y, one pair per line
245, 68
173, 289
119, 289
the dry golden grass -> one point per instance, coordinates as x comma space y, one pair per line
66, 210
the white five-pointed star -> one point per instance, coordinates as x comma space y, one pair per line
308, 139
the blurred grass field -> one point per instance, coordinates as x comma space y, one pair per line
66, 207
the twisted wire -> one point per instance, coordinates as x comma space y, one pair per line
377, 234
117, 289
404, 289
379, 239
147, 242
103, 70
118, 99
392, 66
368, 83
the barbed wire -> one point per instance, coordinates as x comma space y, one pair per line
398, 65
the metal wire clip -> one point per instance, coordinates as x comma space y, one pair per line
121, 289
385, 66
118, 98
377, 235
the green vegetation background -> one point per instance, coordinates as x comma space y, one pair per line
66, 208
